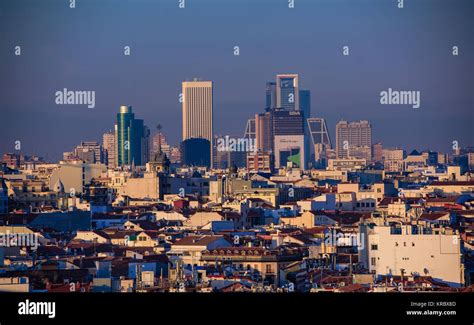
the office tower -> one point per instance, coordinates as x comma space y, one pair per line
305, 107
270, 96
196, 152
287, 91
108, 143
226, 157
289, 139
197, 109
377, 152
131, 139
319, 131
320, 140
159, 141
250, 129
354, 140
305, 103
288, 123
264, 131
90, 152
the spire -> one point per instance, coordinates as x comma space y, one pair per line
159, 127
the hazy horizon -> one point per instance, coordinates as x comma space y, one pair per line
82, 49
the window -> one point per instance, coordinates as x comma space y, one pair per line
372, 261
268, 268
374, 247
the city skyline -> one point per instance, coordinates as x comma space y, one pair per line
149, 79
307, 152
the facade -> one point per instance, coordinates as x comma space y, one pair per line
290, 149
270, 96
346, 164
320, 140
250, 129
289, 138
354, 139
108, 143
265, 262
287, 91
132, 139
287, 122
197, 110
305, 103
264, 131
412, 250
393, 159
90, 152
377, 152
190, 248
75, 175
367, 197
196, 152
414, 161
150, 186
260, 162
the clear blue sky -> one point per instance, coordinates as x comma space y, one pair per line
82, 49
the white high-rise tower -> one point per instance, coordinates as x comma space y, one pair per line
197, 110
